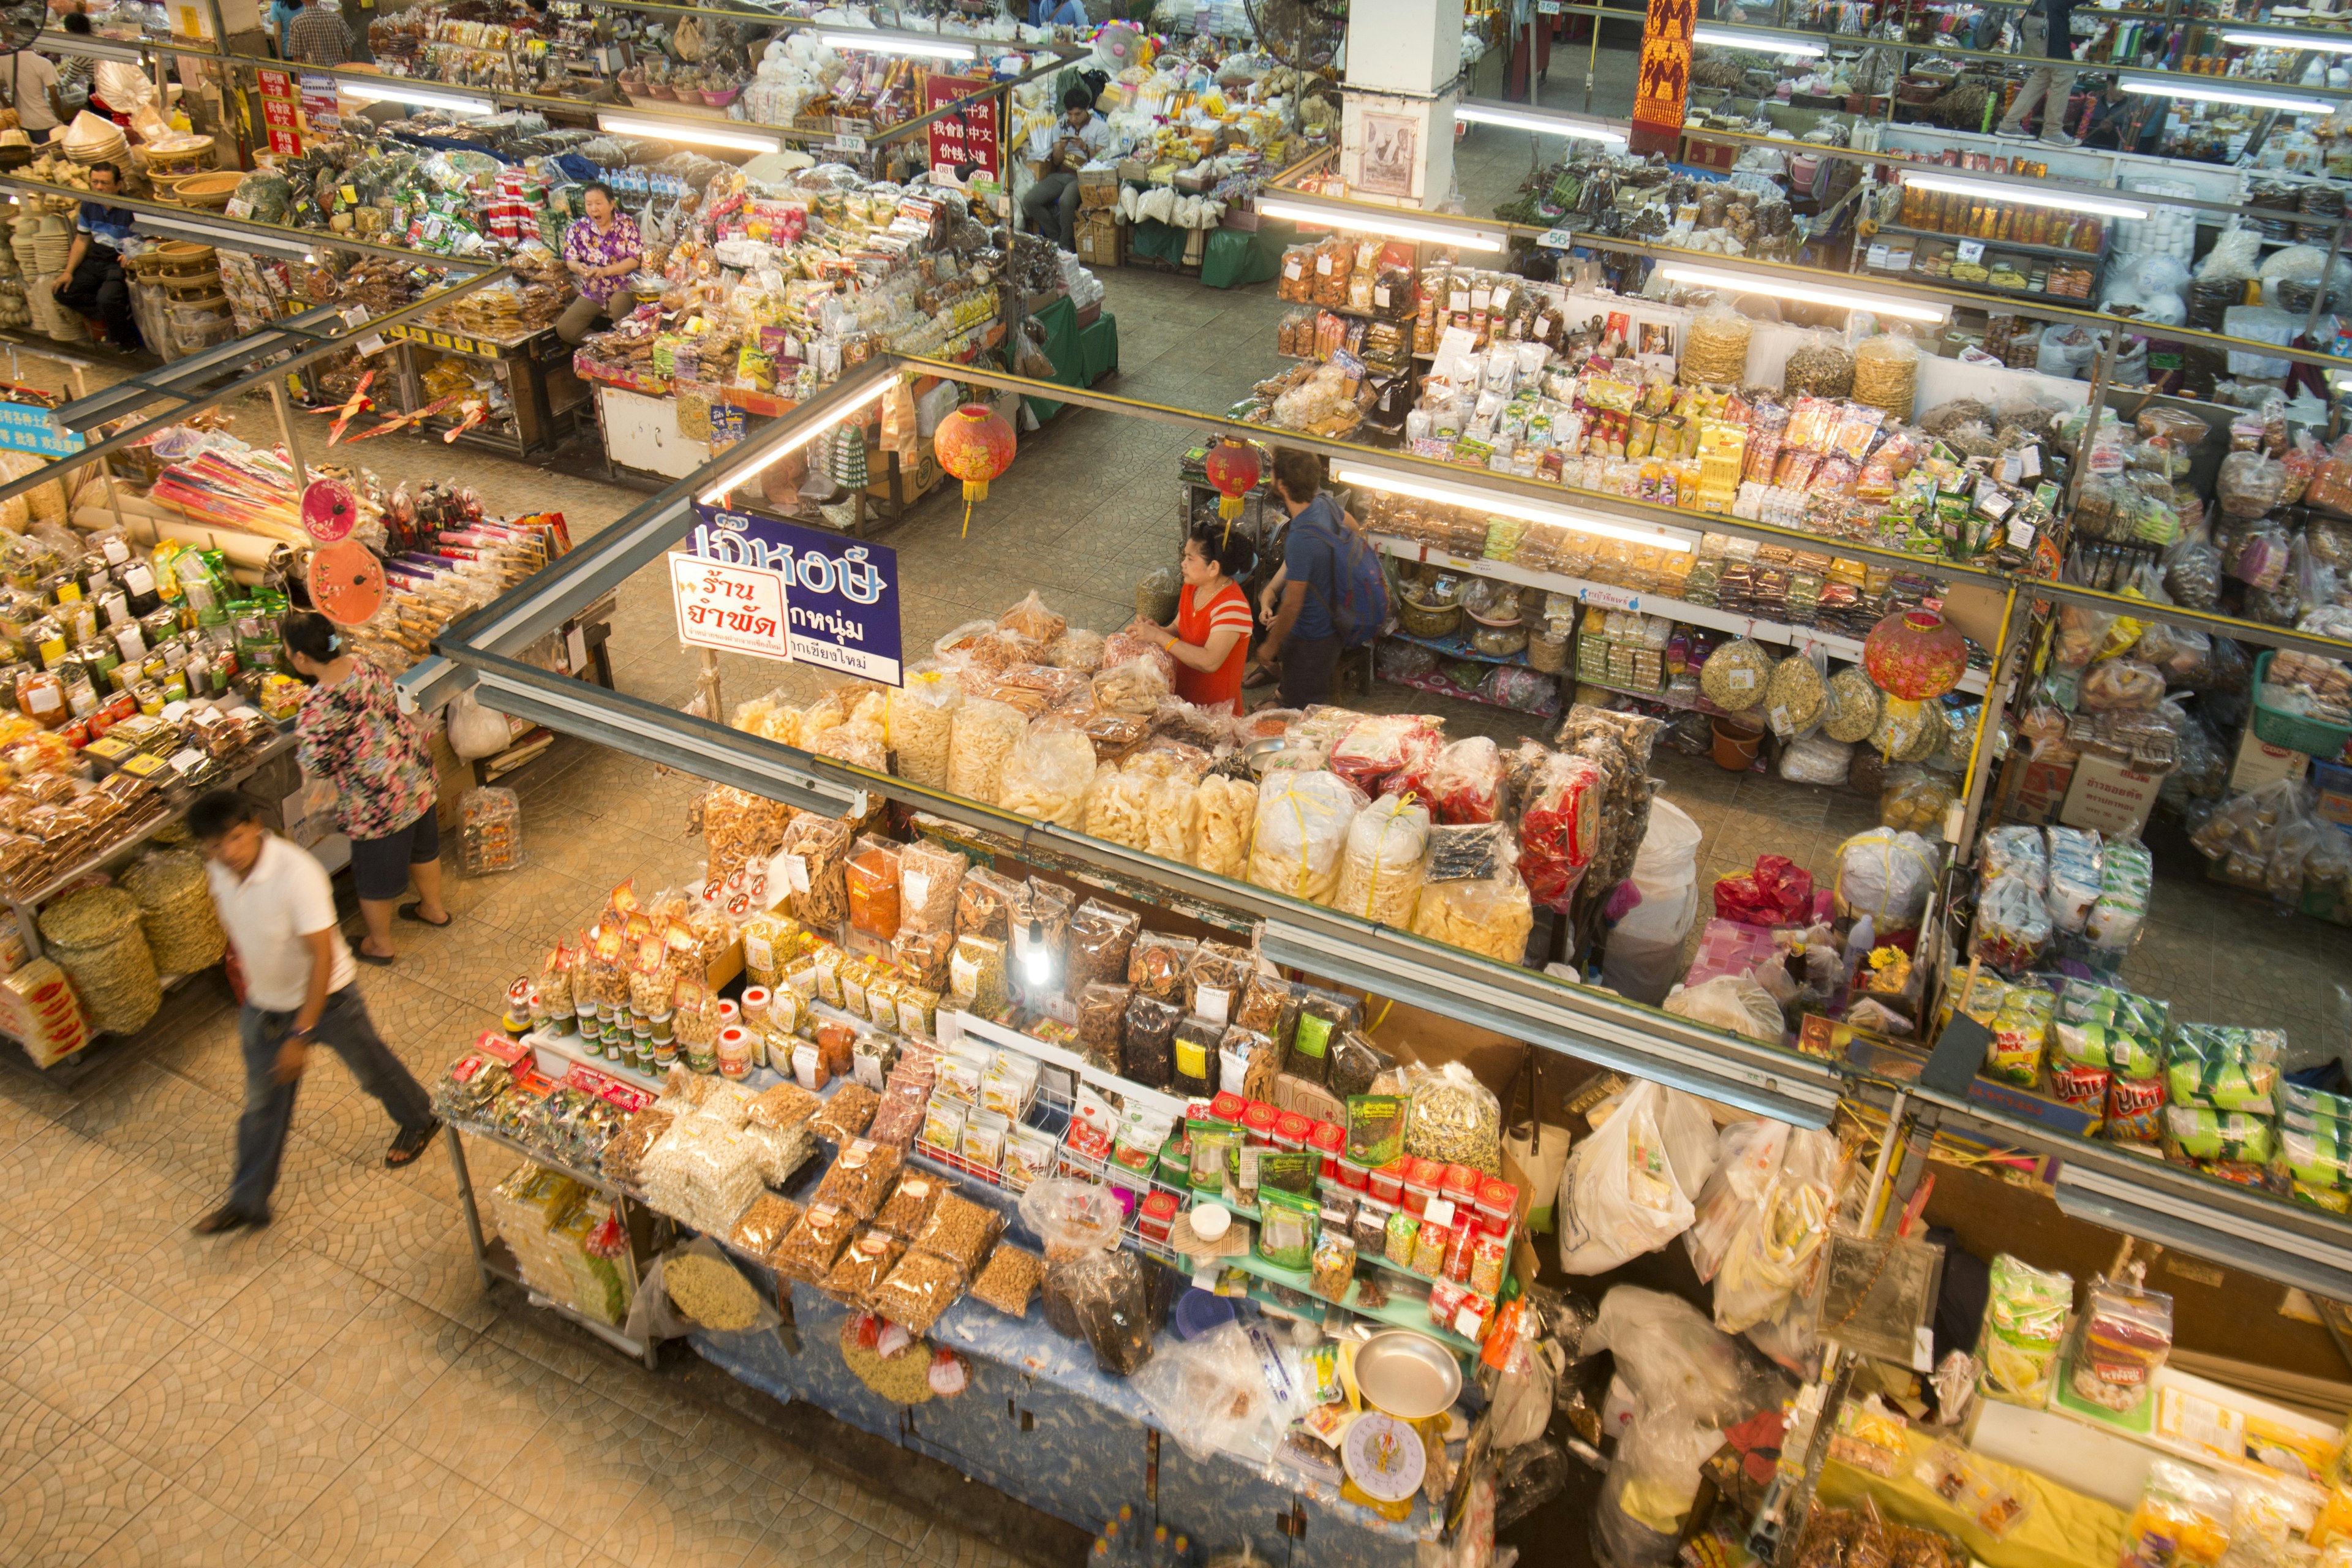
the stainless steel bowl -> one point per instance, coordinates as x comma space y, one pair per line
1408, 1374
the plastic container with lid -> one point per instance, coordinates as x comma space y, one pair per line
1497, 1199
754, 1005
729, 1012
1259, 1119
1290, 1129
1437, 1236
1386, 1183
1354, 1177
734, 1051
1420, 1191
1461, 1184
1227, 1107
1327, 1139
1158, 1216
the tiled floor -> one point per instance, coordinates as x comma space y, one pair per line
336, 1391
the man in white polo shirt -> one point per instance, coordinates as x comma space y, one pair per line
278, 909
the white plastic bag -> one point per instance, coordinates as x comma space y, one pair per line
1211, 1395
1734, 1001
1618, 1196
1769, 1262
1887, 876
476, 732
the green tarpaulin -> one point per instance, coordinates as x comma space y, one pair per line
1081, 355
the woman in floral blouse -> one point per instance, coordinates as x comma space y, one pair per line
600, 249
353, 737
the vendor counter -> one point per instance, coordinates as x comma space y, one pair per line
1039, 1421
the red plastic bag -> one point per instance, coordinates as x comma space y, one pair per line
1776, 891
1559, 829
1466, 783
1377, 746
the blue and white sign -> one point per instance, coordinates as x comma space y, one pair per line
841, 595
26, 428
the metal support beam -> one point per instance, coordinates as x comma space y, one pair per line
183, 379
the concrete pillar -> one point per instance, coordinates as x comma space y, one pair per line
1396, 126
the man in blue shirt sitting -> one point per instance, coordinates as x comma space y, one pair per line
91, 282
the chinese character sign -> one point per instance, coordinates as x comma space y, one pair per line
26, 428
968, 136
838, 597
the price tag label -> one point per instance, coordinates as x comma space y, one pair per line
1556, 238
1970, 250
845, 143
1609, 598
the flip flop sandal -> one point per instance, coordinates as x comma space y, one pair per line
415, 912
364, 957
407, 1150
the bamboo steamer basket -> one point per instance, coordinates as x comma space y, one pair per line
211, 189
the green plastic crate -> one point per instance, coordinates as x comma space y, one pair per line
2293, 730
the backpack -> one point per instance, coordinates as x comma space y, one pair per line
1360, 589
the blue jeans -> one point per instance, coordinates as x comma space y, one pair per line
345, 1027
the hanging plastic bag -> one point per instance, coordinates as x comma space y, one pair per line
476, 732
1618, 1196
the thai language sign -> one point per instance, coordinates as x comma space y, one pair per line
836, 599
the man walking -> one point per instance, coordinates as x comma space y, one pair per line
278, 909
1052, 204
316, 36
91, 282
1330, 594
2048, 29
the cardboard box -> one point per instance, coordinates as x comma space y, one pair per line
2258, 763
1101, 241
1711, 155
2110, 797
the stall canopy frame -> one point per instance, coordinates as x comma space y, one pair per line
2265, 1236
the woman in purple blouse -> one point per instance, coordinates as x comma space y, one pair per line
600, 249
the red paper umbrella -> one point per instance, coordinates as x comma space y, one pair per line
1916, 655
975, 445
1233, 469
329, 510
346, 582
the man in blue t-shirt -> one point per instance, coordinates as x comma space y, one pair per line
91, 282
1302, 643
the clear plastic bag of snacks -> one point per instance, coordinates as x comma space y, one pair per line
929, 876
489, 831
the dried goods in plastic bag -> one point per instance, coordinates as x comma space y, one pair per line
1111, 1298
1456, 1118
2026, 1310
844, 1116
1380, 875
1491, 915
1102, 1022
982, 736
1049, 774
1147, 1040
1301, 830
1228, 818
1269, 1004
909, 1206
917, 1290
984, 901
1101, 938
928, 878
1214, 979
871, 877
1008, 1279
862, 1267
1322, 1017
1158, 962
918, 722
960, 1231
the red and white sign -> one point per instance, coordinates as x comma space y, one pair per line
737, 609
280, 115
968, 136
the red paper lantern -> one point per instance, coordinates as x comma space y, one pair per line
975, 445
1916, 655
1233, 469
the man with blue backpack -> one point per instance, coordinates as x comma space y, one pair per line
1333, 597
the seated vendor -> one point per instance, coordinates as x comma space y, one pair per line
1210, 641
602, 250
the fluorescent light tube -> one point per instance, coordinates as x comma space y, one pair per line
1739, 38
423, 97
89, 48
1445, 494
690, 130
1756, 283
2333, 43
2154, 87
2061, 196
1376, 220
759, 465
898, 44
1471, 111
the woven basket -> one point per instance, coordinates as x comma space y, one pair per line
212, 188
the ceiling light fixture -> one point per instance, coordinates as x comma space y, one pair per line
799, 438
1741, 38
689, 131
1377, 220
2156, 88
898, 44
455, 103
1543, 122
1817, 294
1449, 494
2059, 196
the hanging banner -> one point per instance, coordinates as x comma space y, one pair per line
1664, 83
968, 136
836, 599
280, 119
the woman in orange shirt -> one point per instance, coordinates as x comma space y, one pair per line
1209, 640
